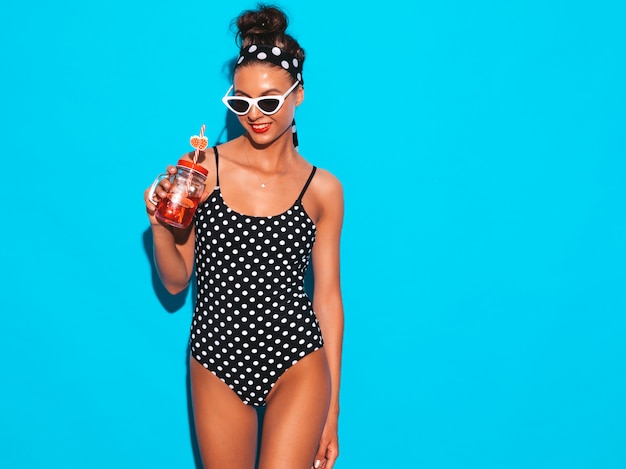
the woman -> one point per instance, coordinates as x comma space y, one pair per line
256, 339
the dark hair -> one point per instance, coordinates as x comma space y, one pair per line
266, 25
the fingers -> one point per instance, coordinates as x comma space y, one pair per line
150, 206
320, 459
331, 457
152, 197
162, 189
326, 456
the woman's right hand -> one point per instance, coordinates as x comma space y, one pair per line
159, 193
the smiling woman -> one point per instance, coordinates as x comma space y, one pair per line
257, 339
267, 111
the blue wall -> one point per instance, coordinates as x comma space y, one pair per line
482, 149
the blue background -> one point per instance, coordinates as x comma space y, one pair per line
481, 146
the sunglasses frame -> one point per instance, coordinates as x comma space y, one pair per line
254, 101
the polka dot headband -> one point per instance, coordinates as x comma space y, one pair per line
274, 55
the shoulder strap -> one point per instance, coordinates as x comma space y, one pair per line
308, 181
217, 164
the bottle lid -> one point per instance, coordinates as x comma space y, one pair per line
194, 167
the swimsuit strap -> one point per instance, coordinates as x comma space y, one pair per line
306, 186
217, 163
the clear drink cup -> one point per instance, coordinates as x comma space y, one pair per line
179, 205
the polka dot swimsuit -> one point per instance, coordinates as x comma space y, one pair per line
253, 319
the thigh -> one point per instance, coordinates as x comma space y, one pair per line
226, 428
295, 415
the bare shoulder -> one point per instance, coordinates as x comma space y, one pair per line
325, 184
229, 150
326, 196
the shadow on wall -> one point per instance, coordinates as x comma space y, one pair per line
232, 128
171, 303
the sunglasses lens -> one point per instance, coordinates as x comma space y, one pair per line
268, 104
238, 105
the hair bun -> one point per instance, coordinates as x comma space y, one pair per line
264, 26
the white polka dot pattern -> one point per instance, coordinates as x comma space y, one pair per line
253, 319
274, 55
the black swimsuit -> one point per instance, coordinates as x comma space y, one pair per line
253, 319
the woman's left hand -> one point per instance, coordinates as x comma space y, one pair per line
328, 450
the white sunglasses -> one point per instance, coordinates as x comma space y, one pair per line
268, 105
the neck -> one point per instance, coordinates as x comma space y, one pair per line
269, 167
272, 158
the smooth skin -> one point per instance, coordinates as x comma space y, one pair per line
300, 426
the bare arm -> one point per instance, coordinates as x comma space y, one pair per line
328, 304
173, 256
173, 247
